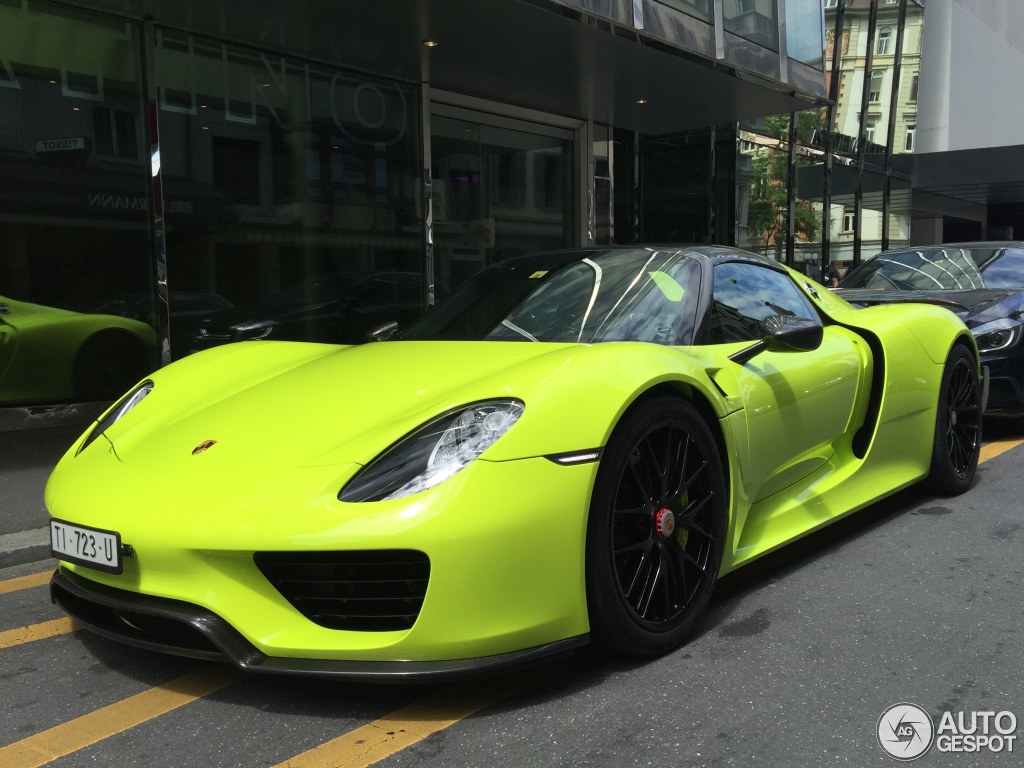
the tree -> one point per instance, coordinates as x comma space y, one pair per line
767, 209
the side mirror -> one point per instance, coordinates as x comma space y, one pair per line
783, 333
382, 332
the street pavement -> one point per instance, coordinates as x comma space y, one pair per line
26, 460
915, 599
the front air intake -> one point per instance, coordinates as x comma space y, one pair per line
367, 591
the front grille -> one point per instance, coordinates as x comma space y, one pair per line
371, 591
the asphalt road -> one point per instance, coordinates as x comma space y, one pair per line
916, 599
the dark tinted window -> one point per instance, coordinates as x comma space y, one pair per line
745, 294
941, 269
620, 295
926, 269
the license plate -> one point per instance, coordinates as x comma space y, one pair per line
82, 545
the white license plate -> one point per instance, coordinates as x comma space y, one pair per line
91, 547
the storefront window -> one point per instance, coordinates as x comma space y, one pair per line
292, 197
498, 193
76, 301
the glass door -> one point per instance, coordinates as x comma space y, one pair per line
501, 188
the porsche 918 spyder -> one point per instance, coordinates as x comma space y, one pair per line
55, 355
570, 448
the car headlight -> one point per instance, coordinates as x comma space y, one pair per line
116, 413
434, 452
998, 334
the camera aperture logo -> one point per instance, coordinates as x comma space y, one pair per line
905, 731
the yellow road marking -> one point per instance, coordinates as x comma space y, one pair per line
401, 729
24, 582
991, 450
33, 632
83, 731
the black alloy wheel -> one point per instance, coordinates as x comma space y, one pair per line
957, 445
657, 529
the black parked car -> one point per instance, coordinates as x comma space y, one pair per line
981, 282
337, 308
187, 308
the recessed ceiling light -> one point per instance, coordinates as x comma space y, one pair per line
75, 109
431, 43
641, 101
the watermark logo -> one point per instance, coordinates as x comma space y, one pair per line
905, 731
975, 731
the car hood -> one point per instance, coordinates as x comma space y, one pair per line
975, 307
282, 405
21, 314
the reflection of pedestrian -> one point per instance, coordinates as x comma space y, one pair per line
815, 272
833, 275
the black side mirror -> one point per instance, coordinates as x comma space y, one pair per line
783, 333
382, 332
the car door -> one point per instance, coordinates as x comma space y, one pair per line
796, 404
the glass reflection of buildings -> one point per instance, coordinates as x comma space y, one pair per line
314, 138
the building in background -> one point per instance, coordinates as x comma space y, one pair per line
247, 169
205, 170
969, 158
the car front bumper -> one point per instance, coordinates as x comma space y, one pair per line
505, 542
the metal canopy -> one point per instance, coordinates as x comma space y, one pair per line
530, 54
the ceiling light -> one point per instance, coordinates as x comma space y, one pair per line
431, 43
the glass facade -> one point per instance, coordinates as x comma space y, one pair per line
292, 196
754, 20
175, 181
76, 283
498, 192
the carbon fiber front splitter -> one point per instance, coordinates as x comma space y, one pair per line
183, 629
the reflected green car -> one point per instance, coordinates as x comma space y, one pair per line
50, 355
570, 448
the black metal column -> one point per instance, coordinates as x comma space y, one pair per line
862, 138
894, 100
830, 121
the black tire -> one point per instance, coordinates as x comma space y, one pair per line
656, 530
957, 443
108, 363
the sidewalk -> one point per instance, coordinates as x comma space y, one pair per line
26, 459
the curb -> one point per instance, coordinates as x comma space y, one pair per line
24, 547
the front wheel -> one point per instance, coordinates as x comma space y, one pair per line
957, 443
656, 530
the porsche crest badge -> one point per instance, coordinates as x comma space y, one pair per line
206, 444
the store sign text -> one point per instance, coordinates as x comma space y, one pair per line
60, 145
126, 203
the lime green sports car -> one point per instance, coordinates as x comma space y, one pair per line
571, 447
50, 355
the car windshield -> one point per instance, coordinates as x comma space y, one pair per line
941, 269
638, 294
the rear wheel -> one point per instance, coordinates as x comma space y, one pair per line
656, 531
957, 443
